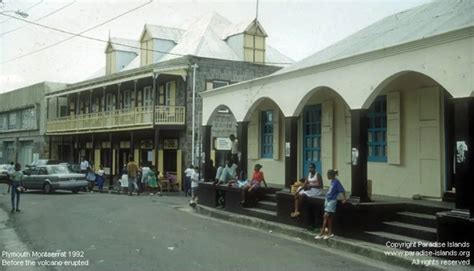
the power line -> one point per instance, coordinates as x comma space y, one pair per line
73, 35
40, 18
26, 9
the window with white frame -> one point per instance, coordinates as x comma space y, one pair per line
127, 99
147, 96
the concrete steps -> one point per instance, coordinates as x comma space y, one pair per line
411, 230
267, 205
261, 213
427, 220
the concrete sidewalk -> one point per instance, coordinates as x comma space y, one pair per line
364, 249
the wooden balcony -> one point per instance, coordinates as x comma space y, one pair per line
126, 119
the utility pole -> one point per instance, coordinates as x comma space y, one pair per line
193, 146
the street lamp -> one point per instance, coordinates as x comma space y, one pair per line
17, 12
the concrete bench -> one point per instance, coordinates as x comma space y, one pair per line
207, 194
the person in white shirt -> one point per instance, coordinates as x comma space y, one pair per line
187, 180
101, 178
194, 185
84, 165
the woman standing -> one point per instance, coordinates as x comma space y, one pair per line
311, 188
101, 178
16, 187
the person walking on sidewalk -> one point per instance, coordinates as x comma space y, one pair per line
132, 171
90, 177
330, 203
84, 165
194, 185
187, 180
10, 171
101, 178
16, 187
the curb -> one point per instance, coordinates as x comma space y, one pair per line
362, 248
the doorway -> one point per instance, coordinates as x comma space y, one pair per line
312, 137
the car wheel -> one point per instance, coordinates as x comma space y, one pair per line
75, 191
47, 188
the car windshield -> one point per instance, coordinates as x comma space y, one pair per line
59, 170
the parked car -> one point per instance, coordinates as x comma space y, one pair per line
74, 168
53, 177
4, 168
42, 162
4, 178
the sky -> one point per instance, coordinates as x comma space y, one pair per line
295, 28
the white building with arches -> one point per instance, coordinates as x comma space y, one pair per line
391, 103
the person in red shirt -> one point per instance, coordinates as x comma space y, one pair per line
255, 182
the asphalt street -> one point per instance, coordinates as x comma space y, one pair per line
118, 232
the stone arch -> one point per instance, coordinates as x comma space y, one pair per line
313, 92
219, 109
256, 104
381, 85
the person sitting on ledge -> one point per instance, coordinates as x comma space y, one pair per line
330, 204
311, 188
254, 184
228, 174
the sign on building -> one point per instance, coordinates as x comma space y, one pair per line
223, 144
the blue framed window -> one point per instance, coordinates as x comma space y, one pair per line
378, 130
267, 134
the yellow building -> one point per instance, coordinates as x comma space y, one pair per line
386, 104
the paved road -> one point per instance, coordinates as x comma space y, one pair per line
117, 232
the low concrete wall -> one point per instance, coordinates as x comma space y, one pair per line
207, 194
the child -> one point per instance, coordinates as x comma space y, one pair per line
153, 182
194, 186
16, 187
330, 204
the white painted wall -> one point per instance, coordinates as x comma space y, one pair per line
358, 82
273, 168
340, 133
421, 170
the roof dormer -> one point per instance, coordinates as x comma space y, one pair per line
156, 41
248, 40
119, 52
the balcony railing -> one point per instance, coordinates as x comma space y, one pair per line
119, 119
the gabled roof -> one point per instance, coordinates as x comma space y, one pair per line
414, 24
243, 26
162, 32
124, 45
205, 38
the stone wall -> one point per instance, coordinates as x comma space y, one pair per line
223, 70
